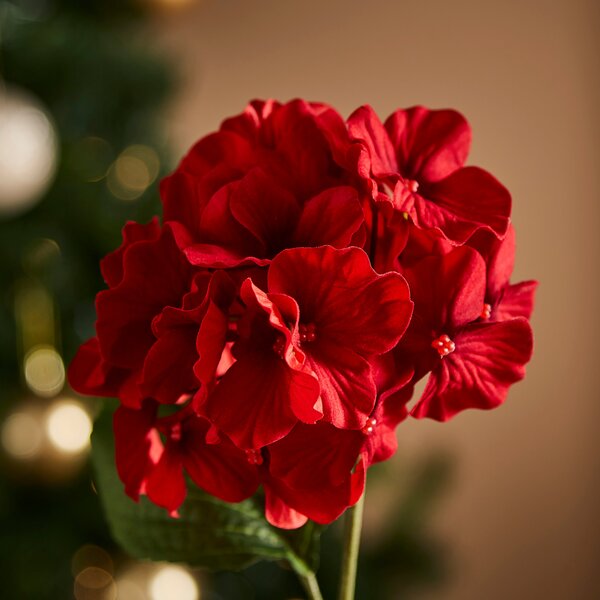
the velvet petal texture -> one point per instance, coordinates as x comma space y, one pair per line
488, 359
355, 313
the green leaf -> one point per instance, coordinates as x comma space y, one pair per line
209, 533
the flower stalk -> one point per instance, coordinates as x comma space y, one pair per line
352, 530
311, 586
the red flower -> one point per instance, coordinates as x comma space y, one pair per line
274, 177
420, 153
273, 309
348, 315
146, 274
147, 465
472, 363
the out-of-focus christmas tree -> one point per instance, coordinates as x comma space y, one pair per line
81, 152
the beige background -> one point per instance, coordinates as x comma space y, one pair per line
522, 517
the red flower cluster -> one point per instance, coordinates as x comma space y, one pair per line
307, 273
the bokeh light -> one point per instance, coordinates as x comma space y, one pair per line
69, 426
94, 583
135, 169
22, 435
44, 371
130, 590
27, 151
90, 555
173, 583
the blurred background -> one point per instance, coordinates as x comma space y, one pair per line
100, 98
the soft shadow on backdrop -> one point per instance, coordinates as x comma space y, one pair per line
522, 516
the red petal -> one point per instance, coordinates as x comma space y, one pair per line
365, 126
156, 275
136, 445
300, 133
489, 357
338, 291
499, 256
216, 257
112, 264
448, 290
460, 204
428, 144
218, 226
315, 456
347, 387
279, 514
220, 469
210, 343
166, 483
321, 504
266, 210
332, 217
253, 401
222, 147
516, 301
168, 368
87, 372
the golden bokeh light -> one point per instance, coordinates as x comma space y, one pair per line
135, 169
94, 583
44, 371
130, 590
173, 582
22, 435
90, 555
69, 426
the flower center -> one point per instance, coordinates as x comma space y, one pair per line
486, 312
369, 426
307, 332
254, 457
411, 185
443, 345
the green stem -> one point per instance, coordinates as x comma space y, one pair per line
311, 586
352, 528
